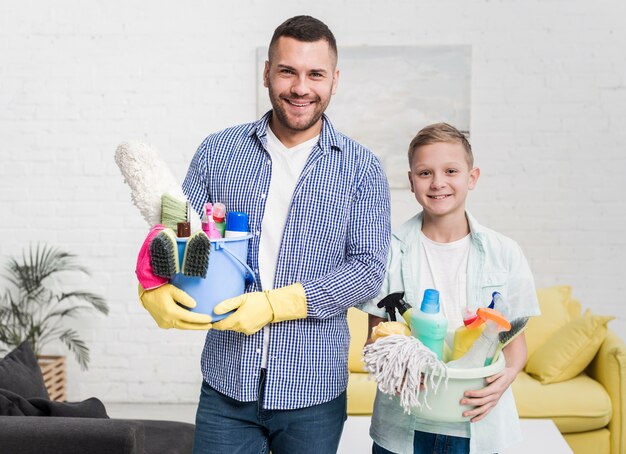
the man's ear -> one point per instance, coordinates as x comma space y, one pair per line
473, 177
266, 74
335, 81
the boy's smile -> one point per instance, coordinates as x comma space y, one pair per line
440, 178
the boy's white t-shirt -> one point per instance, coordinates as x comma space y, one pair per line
287, 165
445, 269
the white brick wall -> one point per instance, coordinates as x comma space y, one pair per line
77, 78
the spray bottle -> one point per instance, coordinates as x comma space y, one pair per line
219, 214
395, 301
466, 335
208, 224
428, 324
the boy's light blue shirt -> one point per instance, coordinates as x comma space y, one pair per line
495, 263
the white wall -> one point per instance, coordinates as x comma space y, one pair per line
76, 78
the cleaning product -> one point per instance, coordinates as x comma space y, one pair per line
219, 214
428, 324
236, 224
466, 335
483, 349
395, 301
208, 224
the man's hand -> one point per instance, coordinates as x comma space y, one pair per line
161, 303
257, 309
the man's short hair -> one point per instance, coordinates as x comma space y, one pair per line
306, 29
440, 132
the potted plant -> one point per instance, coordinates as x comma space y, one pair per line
36, 304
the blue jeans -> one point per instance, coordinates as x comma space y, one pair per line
427, 443
225, 425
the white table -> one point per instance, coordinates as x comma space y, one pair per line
540, 435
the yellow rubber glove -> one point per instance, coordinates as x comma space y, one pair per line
161, 303
384, 329
257, 309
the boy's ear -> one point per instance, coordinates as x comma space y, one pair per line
473, 177
411, 182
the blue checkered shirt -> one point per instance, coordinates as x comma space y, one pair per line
334, 243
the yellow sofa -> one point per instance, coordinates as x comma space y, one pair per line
589, 409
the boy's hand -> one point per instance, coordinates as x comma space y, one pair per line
485, 399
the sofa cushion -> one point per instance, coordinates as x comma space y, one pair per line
361, 394
357, 323
20, 373
575, 405
569, 350
553, 302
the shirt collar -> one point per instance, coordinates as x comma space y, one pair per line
329, 137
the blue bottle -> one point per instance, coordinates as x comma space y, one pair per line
428, 324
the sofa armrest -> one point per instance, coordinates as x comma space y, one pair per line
609, 369
62, 435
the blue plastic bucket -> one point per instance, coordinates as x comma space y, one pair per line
226, 276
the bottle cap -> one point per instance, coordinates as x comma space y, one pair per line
430, 303
219, 212
183, 229
470, 317
237, 221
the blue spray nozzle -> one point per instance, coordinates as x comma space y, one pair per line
430, 302
495, 296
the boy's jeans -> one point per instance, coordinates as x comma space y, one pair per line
227, 426
427, 443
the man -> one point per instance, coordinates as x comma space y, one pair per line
275, 371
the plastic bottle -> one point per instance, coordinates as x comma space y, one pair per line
219, 214
208, 224
428, 324
236, 224
466, 335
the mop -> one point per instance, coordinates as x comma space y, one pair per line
400, 364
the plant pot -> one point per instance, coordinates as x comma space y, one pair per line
53, 371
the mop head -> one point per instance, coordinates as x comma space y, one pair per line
164, 254
149, 179
196, 257
400, 364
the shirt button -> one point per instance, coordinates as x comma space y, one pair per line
258, 350
269, 162
257, 233
262, 196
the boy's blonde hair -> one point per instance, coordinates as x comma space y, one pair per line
440, 132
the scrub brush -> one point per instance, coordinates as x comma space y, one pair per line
506, 337
164, 254
196, 257
173, 211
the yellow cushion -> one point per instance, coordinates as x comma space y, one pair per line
553, 302
361, 393
595, 441
569, 350
575, 405
357, 323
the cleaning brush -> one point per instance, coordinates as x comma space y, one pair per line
173, 211
196, 257
505, 337
164, 254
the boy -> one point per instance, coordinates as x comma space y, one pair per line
444, 248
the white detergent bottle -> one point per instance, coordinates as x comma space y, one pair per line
428, 324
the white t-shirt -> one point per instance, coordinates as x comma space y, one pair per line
287, 165
446, 271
